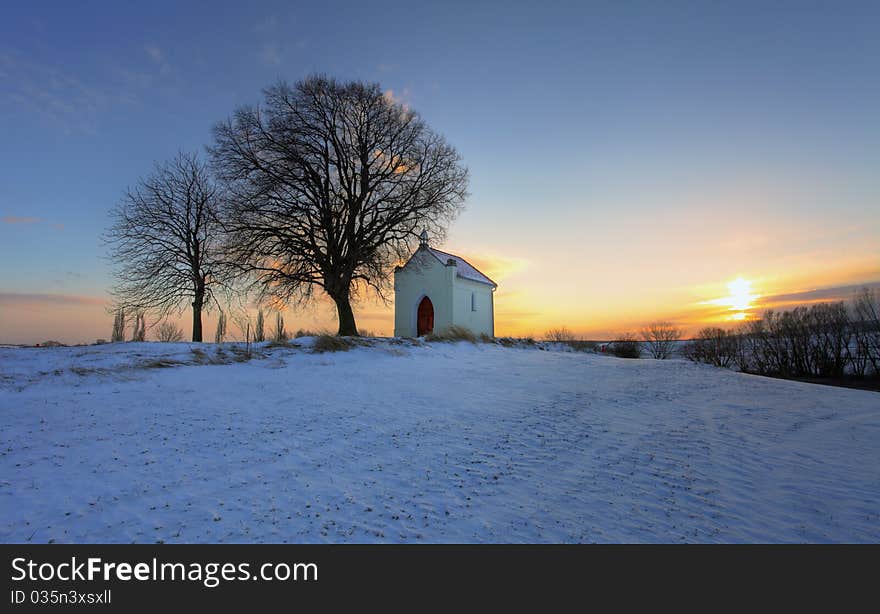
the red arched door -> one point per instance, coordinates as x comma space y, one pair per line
425, 317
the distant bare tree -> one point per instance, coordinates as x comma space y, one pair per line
279, 334
866, 328
140, 327
118, 334
260, 327
220, 332
165, 241
330, 186
714, 346
168, 332
660, 338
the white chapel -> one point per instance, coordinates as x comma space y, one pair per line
435, 290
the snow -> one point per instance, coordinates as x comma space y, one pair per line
438, 442
463, 268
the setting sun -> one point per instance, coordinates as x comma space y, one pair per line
740, 300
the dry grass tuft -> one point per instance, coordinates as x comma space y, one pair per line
332, 343
453, 333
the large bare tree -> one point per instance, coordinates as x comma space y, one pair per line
330, 185
165, 242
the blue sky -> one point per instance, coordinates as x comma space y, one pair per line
585, 126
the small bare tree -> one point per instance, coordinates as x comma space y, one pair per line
165, 241
660, 338
168, 332
330, 185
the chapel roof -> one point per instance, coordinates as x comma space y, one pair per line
464, 269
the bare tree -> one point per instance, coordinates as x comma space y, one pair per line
660, 338
220, 332
330, 185
713, 346
168, 332
140, 327
165, 241
279, 334
241, 318
118, 334
866, 326
260, 327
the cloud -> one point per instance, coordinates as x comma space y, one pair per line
155, 53
267, 25
270, 53
15, 219
835, 293
401, 97
22, 298
54, 93
158, 57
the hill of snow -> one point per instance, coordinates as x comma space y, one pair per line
433, 443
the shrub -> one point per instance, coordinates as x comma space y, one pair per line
626, 346
453, 333
579, 345
559, 335
168, 333
660, 338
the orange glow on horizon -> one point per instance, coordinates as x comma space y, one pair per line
740, 300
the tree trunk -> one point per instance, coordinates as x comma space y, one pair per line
197, 316
347, 326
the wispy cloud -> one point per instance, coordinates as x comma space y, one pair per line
15, 219
54, 93
23, 298
816, 295
270, 53
157, 56
155, 53
269, 24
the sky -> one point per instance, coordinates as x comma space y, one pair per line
630, 161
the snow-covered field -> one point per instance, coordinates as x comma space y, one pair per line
435, 443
